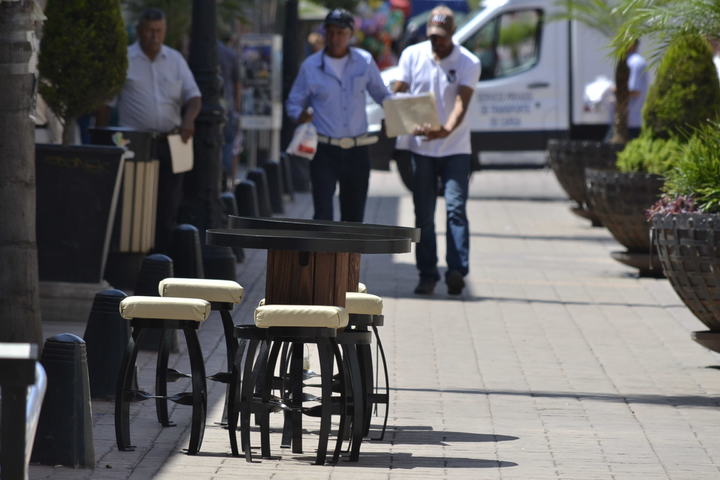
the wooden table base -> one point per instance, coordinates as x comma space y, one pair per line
310, 278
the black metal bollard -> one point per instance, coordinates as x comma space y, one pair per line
185, 252
155, 268
64, 435
288, 188
230, 207
274, 180
246, 198
257, 175
106, 338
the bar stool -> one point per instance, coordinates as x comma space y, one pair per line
223, 295
144, 313
296, 324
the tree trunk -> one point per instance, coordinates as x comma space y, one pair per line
19, 302
622, 98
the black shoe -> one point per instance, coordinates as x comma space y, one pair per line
455, 282
426, 286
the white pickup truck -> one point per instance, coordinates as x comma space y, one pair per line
531, 89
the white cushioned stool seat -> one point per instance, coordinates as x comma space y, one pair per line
362, 288
165, 308
363, 303
225, 291
300, 316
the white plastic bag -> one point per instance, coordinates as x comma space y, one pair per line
304, 141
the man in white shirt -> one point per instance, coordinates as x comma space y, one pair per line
450, 72
161, 96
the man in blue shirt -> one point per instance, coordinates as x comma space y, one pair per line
330, 91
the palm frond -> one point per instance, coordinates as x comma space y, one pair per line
666, 20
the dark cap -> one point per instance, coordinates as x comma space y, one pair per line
340, 17
441, 22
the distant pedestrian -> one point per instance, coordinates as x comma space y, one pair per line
638, 83
160, 96
448, 71
329, 91
232, 93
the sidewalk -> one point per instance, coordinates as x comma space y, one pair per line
556, 363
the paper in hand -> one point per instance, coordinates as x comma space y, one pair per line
404, 113
181, 153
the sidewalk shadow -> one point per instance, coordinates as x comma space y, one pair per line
426, 435
646, 398
409, 461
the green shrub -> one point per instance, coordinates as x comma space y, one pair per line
649, 155
685, 93
697, 173
83, 57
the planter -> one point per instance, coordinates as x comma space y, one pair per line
77, 192
569, 159
619, 200
688, 246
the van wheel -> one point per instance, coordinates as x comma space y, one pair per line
404, 165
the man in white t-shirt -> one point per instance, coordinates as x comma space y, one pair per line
450, 72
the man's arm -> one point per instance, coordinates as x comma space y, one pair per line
462, 101
399, 87
192, 109
376, 87
296, 104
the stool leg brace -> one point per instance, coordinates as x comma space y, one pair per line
125, 394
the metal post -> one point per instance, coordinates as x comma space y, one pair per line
201, 205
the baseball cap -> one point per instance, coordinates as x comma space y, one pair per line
441, 22
341, 18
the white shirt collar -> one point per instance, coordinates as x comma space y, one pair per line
135, 50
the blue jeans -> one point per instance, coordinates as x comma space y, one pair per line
348, 167
454, 172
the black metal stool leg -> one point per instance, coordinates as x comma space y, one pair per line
358, 400
386, 397
286, 441
266, 393
326, 373
199, 393
346, 397
247, 398
366, 375
296, 388
233, 406
161, 403
123, 393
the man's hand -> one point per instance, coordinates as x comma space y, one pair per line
187, 130
431, 133
305, 116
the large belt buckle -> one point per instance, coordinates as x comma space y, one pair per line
346, 142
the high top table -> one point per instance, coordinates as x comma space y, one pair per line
312, 262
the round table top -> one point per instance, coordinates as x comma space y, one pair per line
392, 231
306, 240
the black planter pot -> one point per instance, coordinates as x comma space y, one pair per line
77, 193
569, 159
688, 246
619, 201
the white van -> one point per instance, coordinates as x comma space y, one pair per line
534, 74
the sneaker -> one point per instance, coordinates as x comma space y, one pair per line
426, 286
455, 282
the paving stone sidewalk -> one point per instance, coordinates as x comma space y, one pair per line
556, 363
